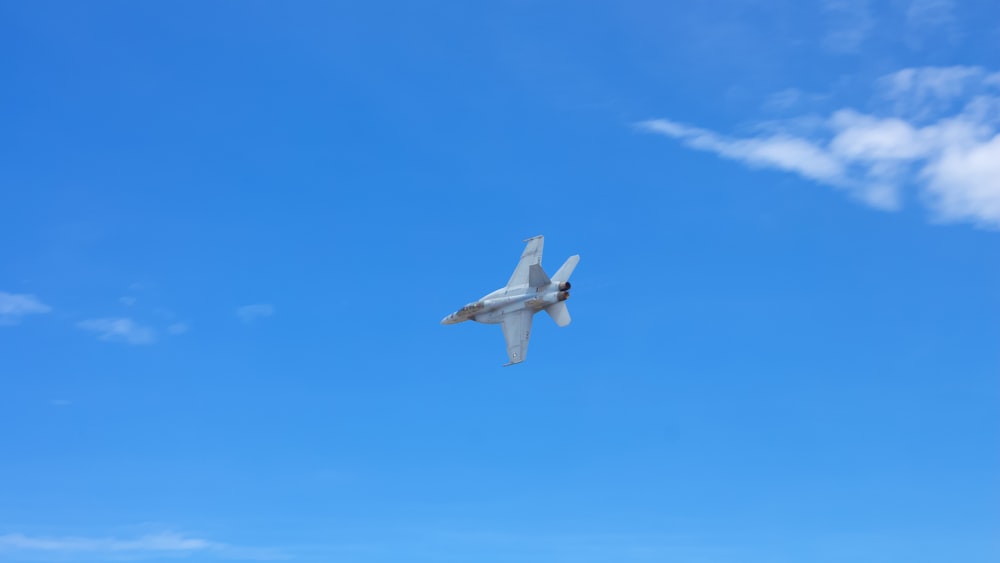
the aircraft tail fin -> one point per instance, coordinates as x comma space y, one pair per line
566, 270
536, 276
559, 313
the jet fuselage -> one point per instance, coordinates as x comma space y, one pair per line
491, 308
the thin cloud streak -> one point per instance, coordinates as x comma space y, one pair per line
776, 151
14, 306
148, 546
928, 20
942, 136
119, 330
849, 23
250, 313
163, 542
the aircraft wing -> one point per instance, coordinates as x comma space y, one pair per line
532, 256
517, 331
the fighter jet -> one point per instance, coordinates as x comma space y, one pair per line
527, 292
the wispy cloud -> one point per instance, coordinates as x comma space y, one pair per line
778, 151
923, 93
163, 542
119, 330
941, 134
928, 20
849, 23
791, 99
13, 306
250, 313
177, 328
146, 546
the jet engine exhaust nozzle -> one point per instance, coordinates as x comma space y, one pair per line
562, 295
564, 286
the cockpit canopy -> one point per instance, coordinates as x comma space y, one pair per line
471, 308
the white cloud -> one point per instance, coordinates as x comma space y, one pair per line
965, 184
775, 151
250, 313
865, 138
952, 157
162, 542
119, 330
921, 93
158, 545
13, 306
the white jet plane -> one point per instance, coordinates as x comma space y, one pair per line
527, 292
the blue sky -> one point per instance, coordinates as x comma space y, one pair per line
230, 229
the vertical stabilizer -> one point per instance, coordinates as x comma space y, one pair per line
537, 277
532, 256
567, 269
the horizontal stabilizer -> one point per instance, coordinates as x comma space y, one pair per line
567, 269
559, 313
